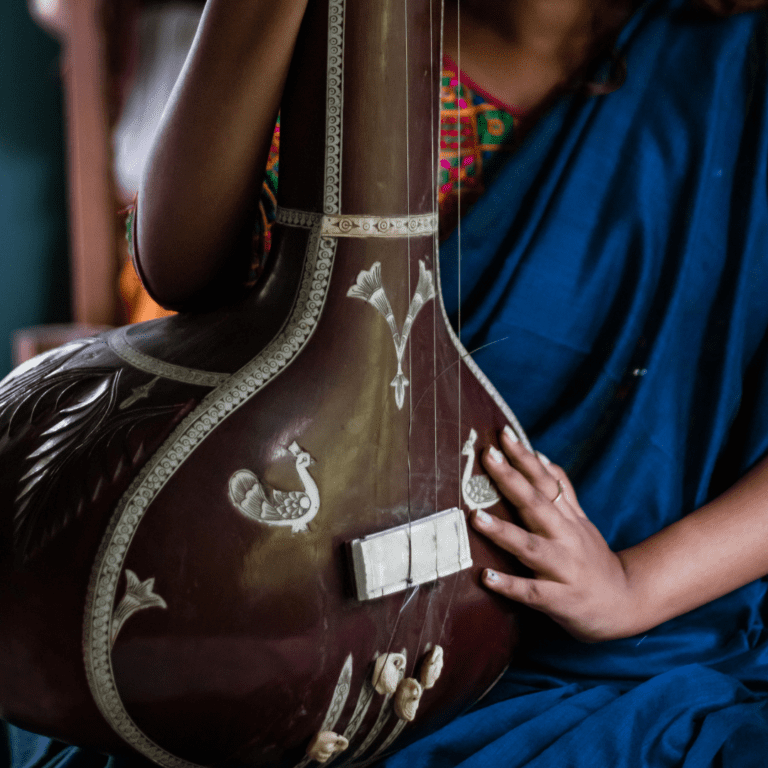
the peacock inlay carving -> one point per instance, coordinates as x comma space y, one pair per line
477, 490
259, 502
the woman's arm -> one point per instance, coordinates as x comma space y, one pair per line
596, 594
200, 186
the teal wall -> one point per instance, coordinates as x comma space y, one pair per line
34, 280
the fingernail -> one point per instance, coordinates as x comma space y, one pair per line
495, 454
543, 459
483, 517
491, 575
510, 433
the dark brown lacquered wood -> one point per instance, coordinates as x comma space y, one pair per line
249, 627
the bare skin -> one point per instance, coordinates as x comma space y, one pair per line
198, 194
596, 594
524, 52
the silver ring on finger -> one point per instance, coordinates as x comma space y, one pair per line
560, 491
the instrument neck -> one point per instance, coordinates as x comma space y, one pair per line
360, 111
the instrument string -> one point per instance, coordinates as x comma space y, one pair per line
459, 166
435, 157
411, 591
434, 127
408, 244
408, 269
408, 190
467, 355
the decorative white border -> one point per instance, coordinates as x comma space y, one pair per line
213, 409
334, 109
227, 397
338, 700
291, 217
347, 225
119, 344
473, 366
350, 225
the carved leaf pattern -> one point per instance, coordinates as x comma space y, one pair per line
367, 283
139, 595
425, 290
66, 423
369, 288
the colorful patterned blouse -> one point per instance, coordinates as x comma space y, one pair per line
476, 136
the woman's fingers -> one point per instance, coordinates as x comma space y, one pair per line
536, 507
528, 464
531, 549
541, 474
535, 593
577, 579
568, 492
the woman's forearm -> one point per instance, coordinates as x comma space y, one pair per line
200, 186
707, 554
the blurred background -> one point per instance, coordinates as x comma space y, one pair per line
34, 240
83, 84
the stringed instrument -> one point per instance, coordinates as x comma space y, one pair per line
240, 536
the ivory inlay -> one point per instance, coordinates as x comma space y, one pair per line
369, 288
413, 553
350, 225
118, 343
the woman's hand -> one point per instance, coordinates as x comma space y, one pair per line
577, 580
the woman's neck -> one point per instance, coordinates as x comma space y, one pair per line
524, 52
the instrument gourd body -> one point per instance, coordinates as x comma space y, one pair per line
179, 499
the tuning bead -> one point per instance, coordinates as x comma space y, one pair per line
325, 745
407, 698
388, 671
431, 667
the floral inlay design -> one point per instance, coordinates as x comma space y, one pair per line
139, 595
369, 288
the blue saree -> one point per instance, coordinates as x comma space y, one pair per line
614, 282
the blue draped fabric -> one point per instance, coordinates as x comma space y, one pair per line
614, 282
615, 285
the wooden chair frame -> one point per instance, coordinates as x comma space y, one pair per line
96, 38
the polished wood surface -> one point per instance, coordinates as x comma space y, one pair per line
240, 658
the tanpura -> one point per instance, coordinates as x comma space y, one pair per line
240, 536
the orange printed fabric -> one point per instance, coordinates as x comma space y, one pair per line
262, 230
476, 135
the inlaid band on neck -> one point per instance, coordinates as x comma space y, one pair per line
350, 225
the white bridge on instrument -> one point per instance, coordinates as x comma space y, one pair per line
410, 554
